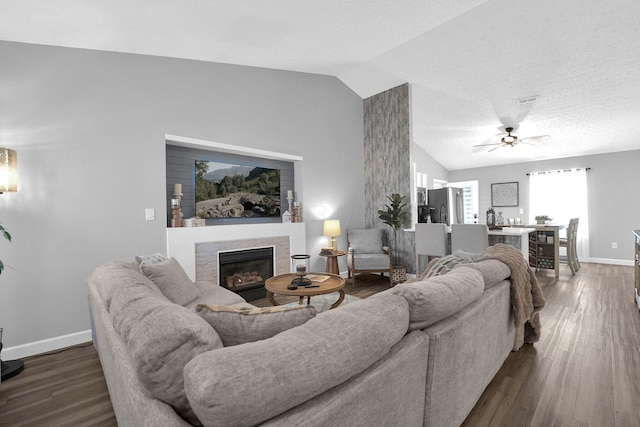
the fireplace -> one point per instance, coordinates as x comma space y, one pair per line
245, 271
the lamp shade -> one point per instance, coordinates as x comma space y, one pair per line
331, 227
8, 170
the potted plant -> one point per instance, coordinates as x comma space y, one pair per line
12, 367
396, 217
7, 236
543, 219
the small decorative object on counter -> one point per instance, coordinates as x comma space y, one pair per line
500, 219
543, 219
491, 217
296, 212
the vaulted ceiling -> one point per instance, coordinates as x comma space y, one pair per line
468, 61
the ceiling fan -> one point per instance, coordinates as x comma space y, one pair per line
512, 140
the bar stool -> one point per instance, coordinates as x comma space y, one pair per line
570, 243
431, 240
472, 238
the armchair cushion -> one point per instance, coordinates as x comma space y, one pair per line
368, 241
369, 261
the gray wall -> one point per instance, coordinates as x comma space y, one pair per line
426, 164
613, 205
89, 129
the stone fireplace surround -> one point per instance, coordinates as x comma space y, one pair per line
207, 255
194, 247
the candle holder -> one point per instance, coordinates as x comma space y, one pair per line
290, 200
300, 267
176, 220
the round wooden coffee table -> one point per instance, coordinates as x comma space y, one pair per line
332, 283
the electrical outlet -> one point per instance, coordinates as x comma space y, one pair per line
614, 245
521, 211
149, 214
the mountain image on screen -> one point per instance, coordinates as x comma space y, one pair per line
226, 190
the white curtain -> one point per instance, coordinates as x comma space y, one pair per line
562, 195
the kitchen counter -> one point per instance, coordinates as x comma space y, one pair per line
514, 236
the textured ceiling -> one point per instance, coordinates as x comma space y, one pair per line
467, 61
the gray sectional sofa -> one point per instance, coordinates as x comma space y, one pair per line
417, 354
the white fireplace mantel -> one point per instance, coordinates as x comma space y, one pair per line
181, 242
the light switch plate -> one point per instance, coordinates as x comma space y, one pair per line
149, 214
521, 211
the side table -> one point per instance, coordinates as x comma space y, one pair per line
332, 261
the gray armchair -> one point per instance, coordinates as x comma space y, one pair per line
366, 253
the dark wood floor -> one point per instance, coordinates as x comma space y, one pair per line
585, 371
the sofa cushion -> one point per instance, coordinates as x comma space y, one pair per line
161, 338
172, 280
492, 270
250, 383
238, 325
438, 297
113, 275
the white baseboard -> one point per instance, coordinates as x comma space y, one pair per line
611, 261
50, 344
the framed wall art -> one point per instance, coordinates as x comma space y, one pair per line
504, 194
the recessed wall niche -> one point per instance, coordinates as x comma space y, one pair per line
181, 169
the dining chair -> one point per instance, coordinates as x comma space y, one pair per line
431, 241
570, 244
472, 238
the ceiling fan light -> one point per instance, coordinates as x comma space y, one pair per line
508, 139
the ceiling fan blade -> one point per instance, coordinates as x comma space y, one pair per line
486, 145
493, 149
534, 138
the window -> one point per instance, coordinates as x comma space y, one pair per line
562, 195
470, 195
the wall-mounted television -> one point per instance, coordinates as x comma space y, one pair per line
229, 190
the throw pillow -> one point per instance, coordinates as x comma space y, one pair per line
238, 325
153, 258
439, 297
172, 280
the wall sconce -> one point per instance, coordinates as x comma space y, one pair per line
332, 229
8, 170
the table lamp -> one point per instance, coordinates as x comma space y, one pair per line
332, 229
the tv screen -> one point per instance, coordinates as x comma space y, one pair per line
225, 190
